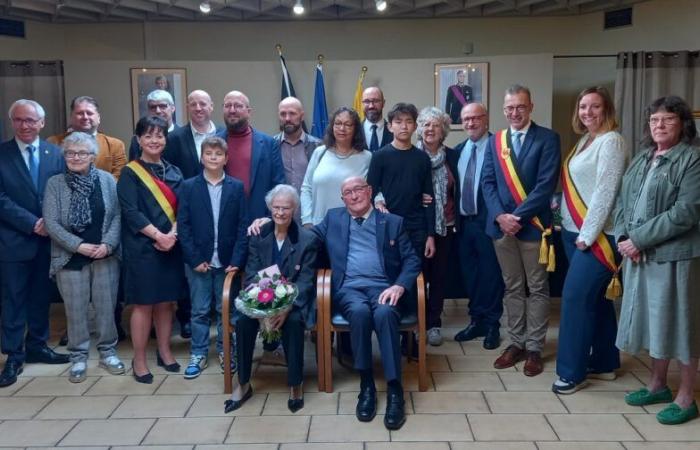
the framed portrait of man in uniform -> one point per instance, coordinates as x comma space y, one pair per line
459, 84
145, 80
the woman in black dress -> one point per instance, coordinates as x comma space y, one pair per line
154, 271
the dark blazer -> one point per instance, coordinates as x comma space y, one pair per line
20, 202
453, 156
399, 261
181, 151
266, 171
298, 255
195, 222
387, 136
135, 148
538, 165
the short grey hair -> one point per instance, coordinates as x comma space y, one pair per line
433, 113
518, 89
24, 102
160, 95
284, 190
80, 139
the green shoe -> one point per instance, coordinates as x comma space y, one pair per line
644, 397
674, 414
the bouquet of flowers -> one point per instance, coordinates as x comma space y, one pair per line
268, 296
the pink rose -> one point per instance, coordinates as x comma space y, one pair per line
266, 296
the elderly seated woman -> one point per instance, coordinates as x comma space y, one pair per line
293, 249
82, 216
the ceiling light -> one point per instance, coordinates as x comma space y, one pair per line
381, 5
298, 8
205, 7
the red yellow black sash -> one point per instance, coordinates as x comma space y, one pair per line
601, 248
507, 162
161, 192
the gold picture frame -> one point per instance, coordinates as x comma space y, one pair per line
459, 84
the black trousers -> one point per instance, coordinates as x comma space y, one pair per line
292, 342
435, 270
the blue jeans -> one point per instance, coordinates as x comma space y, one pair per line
204, 287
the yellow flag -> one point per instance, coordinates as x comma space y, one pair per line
357, 101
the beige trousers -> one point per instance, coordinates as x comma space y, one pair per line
527, 315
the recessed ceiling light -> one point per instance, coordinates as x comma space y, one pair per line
298, 8
205, 7
381, 5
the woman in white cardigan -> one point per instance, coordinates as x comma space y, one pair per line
591, 177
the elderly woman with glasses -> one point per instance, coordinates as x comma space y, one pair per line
292, 248
657, 233
433, 128
82, 216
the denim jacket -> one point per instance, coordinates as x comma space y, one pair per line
672, 232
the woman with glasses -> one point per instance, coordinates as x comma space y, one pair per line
292, 248
82, 216
342, 156
657, 233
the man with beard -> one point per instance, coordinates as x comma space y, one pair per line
377, 134
253, 156
295, 145
184, 147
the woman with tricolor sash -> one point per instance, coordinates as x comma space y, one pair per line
656, 227
591, 177
154, 270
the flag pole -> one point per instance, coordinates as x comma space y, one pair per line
278, 47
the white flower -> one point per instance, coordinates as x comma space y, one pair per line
254, 292
280, 291
290, 289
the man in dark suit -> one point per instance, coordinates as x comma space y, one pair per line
479, 265
253, 156
160, 103
375, 128
26, 164
373, 265
458, 96
184, 146
516, 223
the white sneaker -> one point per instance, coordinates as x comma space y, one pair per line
78, 372
113, 365
605, 376
434, 337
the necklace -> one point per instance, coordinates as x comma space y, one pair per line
339, 156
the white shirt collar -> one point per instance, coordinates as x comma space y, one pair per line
379, 124
23, 146
211, 130
523, 130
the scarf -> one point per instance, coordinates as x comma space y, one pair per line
81, 186
437, 162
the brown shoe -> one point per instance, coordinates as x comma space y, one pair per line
533, 364
509, 357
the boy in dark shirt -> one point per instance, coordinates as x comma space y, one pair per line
402, 173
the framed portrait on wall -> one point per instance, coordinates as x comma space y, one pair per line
459, 84
145, 80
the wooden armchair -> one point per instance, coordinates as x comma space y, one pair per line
411, 320
228, 327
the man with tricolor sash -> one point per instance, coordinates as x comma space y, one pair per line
521, 169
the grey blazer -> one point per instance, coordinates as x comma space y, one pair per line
56, 204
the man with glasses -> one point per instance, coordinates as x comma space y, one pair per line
26, 163
480, 271
377, 134
520, 173
160, 103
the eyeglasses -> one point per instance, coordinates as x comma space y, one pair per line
473, 118
236, 106
355, 190
77, 155
20, 121
157, 106
519, 108
372, 101
343, 124
280, 209
666, 120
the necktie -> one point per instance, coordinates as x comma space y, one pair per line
516, 142
359, 220
33, 166
374, 143
468, 205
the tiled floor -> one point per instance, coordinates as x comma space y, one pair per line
469, 406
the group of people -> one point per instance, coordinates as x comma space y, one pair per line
197, 202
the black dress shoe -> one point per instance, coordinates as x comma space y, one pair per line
295, 404
232, 405
173, 367
47, 356
404, 345
185, 330
473, 331
366, 405
64, 339
395, 415
9, 374
146, 378
492, 340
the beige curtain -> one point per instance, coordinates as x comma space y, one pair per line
41, 81
643, 77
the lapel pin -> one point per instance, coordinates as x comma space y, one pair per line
46, 152
297, 267
391, 242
